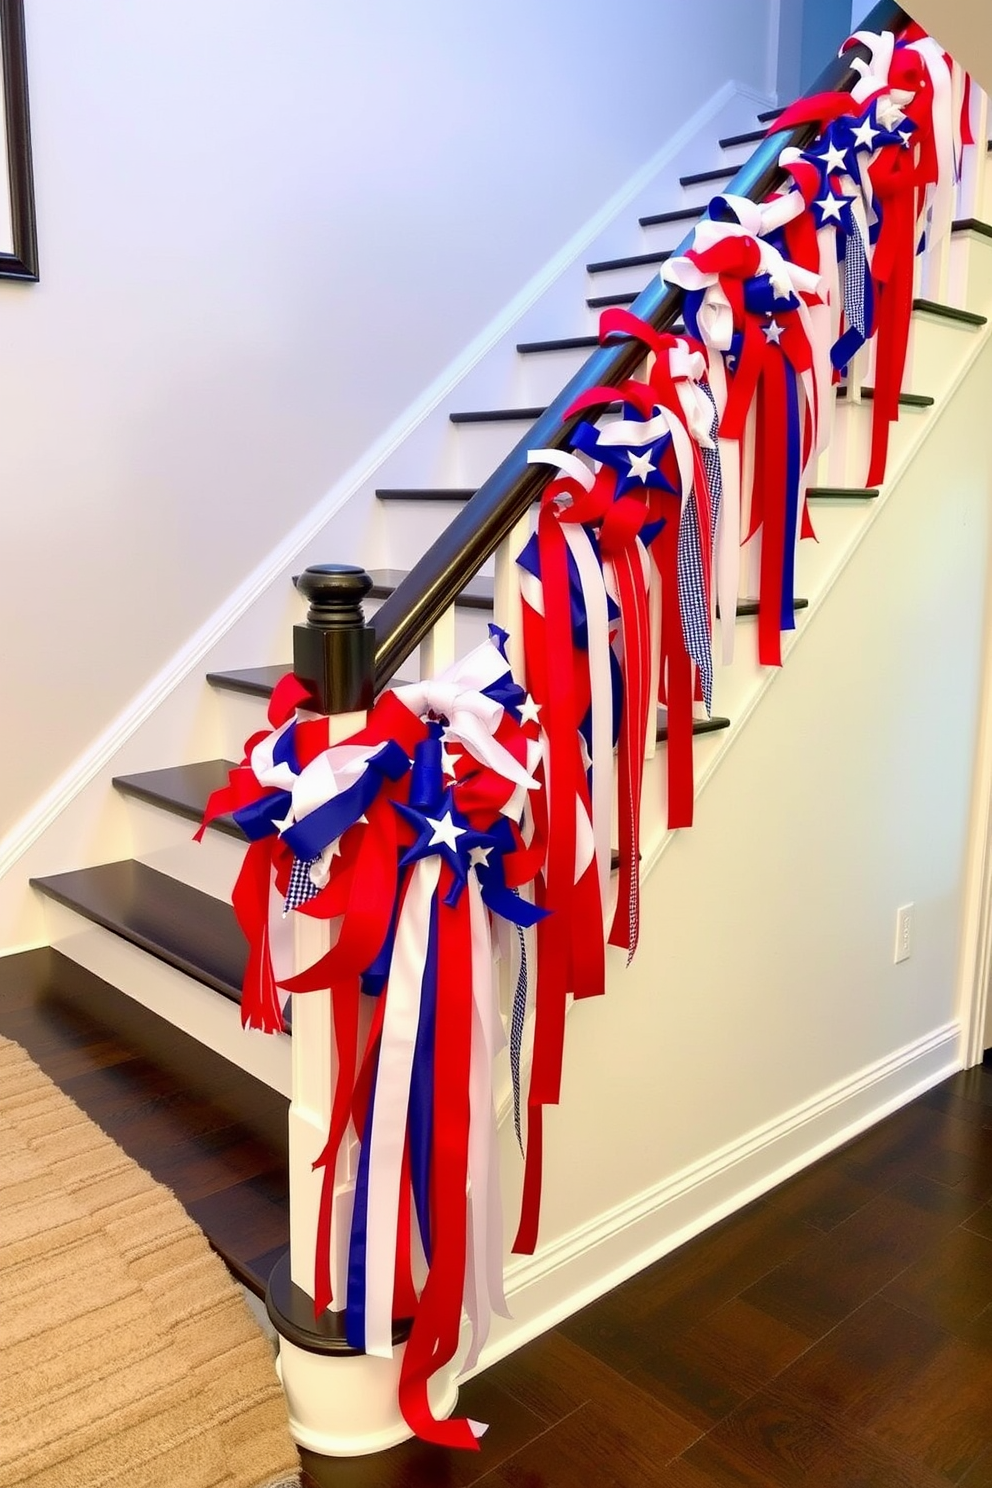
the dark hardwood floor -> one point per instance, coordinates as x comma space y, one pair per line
836, 1334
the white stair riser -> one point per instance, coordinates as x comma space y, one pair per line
540, 376
164, 840
410, 527
483, 446
197, 1009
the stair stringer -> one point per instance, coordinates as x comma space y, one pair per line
763, 1022
80, 821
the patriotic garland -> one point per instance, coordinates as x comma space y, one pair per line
470, 821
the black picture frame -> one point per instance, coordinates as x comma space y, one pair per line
22, 263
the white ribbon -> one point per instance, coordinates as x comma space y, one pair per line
472, 717
484, 1254
941, 195
392, 1100
873, 74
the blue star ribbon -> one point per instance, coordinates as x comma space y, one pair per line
623, 458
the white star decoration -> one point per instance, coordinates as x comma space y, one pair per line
833, 158
529, 710
445, 831
640, 465
478, 857
864, 135
773, 332
906, 136
830, 207
447, 762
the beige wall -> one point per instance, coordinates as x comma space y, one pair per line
964, 28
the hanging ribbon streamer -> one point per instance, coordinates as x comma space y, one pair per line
408, 835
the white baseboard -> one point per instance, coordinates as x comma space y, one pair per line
575, 1269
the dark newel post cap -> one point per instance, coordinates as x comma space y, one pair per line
334, 650
335, 592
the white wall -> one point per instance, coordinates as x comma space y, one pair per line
263, 229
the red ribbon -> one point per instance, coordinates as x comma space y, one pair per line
434, 1337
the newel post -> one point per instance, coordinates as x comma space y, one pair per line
334, 649
341, 1402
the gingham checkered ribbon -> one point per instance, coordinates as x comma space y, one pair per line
301, 887
692, 595
518, 1015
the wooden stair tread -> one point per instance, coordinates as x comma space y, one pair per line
496, 415
603, 302
842, 493
172, 921
748, 607
183, 790
427, 493
972, 224
749, 137
216, 1136
712, 725
565, 343
683, 214
258, 681
949, 312
906, 400
702, 178
631, 261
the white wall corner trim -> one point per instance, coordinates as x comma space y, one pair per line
582, 1265
29, 828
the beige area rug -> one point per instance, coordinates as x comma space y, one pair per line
128, 1357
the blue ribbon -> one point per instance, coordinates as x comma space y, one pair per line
492, 881
258, 819
354, 1317
309, 837
426, 776
793, 467
617, 456
376, 974
760, 297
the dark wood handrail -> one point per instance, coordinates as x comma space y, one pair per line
434, 583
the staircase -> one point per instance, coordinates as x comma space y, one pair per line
157, 924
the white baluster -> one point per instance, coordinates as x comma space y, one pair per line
314, 1071
437, 650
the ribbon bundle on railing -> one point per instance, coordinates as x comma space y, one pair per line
410, 836
887, 157
750, 307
